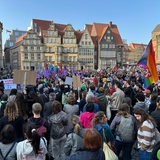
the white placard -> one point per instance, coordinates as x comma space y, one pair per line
68, 80
8, 84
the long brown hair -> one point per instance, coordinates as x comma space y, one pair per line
145, 116
124, 110
99, 116
11, 111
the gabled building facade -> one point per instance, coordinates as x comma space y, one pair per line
28, 52
97, 46
110, 45
87, 50
156, 43
136, 52
70, 47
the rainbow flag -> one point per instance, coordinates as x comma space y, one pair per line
148, 65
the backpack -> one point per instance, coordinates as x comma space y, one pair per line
102, 102
126, 129
64, 98
42, 129
5, 157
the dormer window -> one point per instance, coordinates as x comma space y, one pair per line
86, 36
108, 31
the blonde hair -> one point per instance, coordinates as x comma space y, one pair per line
36, 108
76, 123
11, 111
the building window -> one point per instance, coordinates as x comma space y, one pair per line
25, 47
86, 36
65, 50
89, 43
38, 56
82, 42
32, 56
108, 31
16, 33
32, 48
26, 56
10, 43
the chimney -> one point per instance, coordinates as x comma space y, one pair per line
110, 23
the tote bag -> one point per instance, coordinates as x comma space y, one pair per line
109, 154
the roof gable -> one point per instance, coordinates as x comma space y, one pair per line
21, 38
157, 28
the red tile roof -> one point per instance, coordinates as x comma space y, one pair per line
89, 28
99, 29
136, 45
21, 38
41, 24
78, 35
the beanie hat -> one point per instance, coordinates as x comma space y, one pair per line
83, 87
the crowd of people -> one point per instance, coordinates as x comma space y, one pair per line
54, 121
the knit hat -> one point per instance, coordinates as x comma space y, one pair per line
83, 87
104, 79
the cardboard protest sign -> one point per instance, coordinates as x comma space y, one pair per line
24, 77
76, 82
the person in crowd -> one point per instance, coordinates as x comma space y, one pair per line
147, 100
137, 88
93, 89
157, 88
92, 143
48, 109
8, 143
107, 94
124, 128
100, 124
30, 98
82, 101
57, 122
128, 91
11, 116
156, 114
90, 99
102, 100
37, 121
86, 117
3, 103
13, 92
45, 96
129, 102
140, 102
75, 138
1, 91
153, 104
21, 105
70, 108
116, 99
146, 133
33, 147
